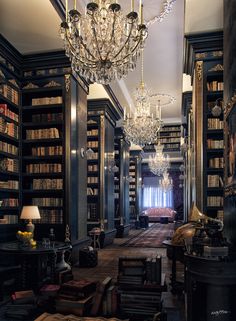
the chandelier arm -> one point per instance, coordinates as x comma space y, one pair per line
112, 34
95, 36
127, 40
120, 61
73, 49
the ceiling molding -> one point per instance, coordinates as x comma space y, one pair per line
198, 43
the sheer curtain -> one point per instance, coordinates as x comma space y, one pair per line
154, 196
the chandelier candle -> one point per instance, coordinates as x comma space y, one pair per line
132, 5
104, 43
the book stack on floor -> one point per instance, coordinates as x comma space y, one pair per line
141, 299
153, 270
23, 305
131, 270
75, 297
105, 300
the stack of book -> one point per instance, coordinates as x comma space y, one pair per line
75, 297
132, 270
140, 283
23, 305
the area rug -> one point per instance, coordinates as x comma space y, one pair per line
152, 236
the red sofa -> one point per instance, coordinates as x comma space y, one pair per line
155, 213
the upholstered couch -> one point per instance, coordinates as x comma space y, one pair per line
156, 213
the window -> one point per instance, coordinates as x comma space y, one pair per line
154, 196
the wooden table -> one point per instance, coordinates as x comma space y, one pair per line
177, 254
35, 261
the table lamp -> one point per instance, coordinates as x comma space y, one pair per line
30, 213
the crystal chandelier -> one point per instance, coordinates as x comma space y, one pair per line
159, 163
166, 183
141, 128
103, 44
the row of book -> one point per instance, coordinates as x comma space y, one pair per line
172, 146
9, 93
170, 140
9, 164
47, 117
215, 85
92, 191
93, 156
83, 297
215, 201
47, 201
214, 181
140, 270
140, 303
220, 215
92, 179
9, 184
215, 123
9, 202
92, 144
42, 133
171, 134
4, 110
92, 132
22, 306
46, 101
52, 216
153, 270
47, 151
92, 211
215, 144
216, 162
139, 285
93, 168
9, 219
44, 168
8, 148
171, 129
47, 183
10, 129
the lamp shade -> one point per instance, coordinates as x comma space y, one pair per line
30, 212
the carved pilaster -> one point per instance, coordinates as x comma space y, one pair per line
67, 82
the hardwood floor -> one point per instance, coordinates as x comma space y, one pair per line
108, 266
109, 256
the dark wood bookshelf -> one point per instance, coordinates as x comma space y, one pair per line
212, 134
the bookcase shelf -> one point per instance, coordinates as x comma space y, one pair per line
43, 158
135, 180
9, 150
213, 134
93, 138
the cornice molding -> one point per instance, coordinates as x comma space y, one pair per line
105, 105
11, 54
202, 46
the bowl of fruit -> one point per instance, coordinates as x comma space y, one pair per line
24, 237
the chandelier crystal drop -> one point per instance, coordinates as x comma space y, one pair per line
103, 44
166, 183
159, 163
142, 127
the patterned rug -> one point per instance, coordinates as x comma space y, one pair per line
151, 237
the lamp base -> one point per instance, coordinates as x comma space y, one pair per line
30, 228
